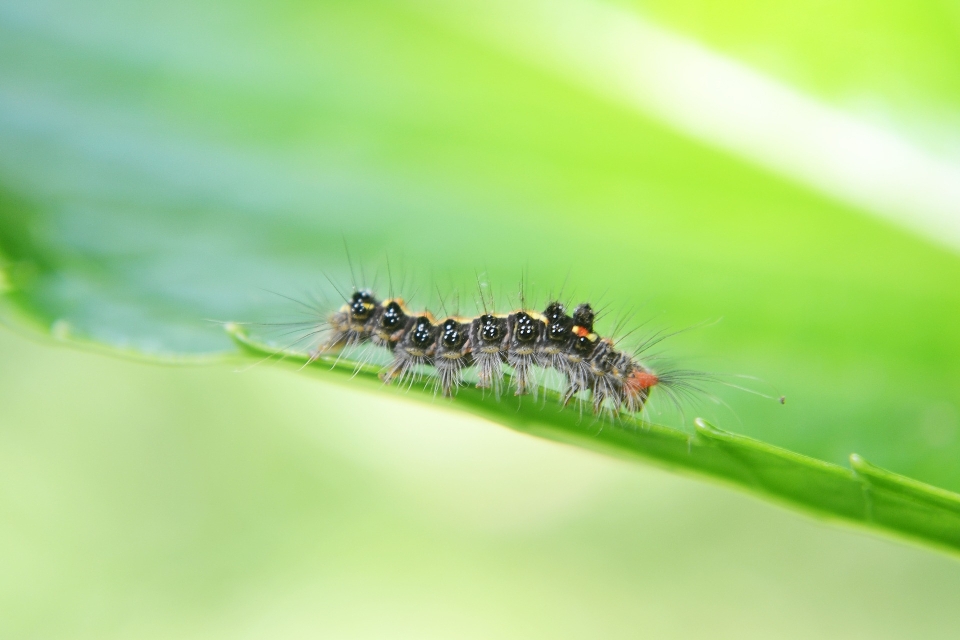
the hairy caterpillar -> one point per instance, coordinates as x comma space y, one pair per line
523, 339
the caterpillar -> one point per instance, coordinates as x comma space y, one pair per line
524, 339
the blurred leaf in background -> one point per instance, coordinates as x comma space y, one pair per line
161, 163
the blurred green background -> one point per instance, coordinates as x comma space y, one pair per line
162, 163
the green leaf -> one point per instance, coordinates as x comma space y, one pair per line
156, 173
865, 495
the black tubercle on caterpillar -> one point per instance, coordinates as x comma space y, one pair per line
524, 340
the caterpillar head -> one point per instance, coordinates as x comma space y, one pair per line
361, 305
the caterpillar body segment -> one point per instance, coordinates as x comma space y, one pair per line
525, 330
488, 342
414, 349
452, 354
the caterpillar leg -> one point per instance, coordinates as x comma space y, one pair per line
523, 376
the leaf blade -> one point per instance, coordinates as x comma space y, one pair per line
862, 495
